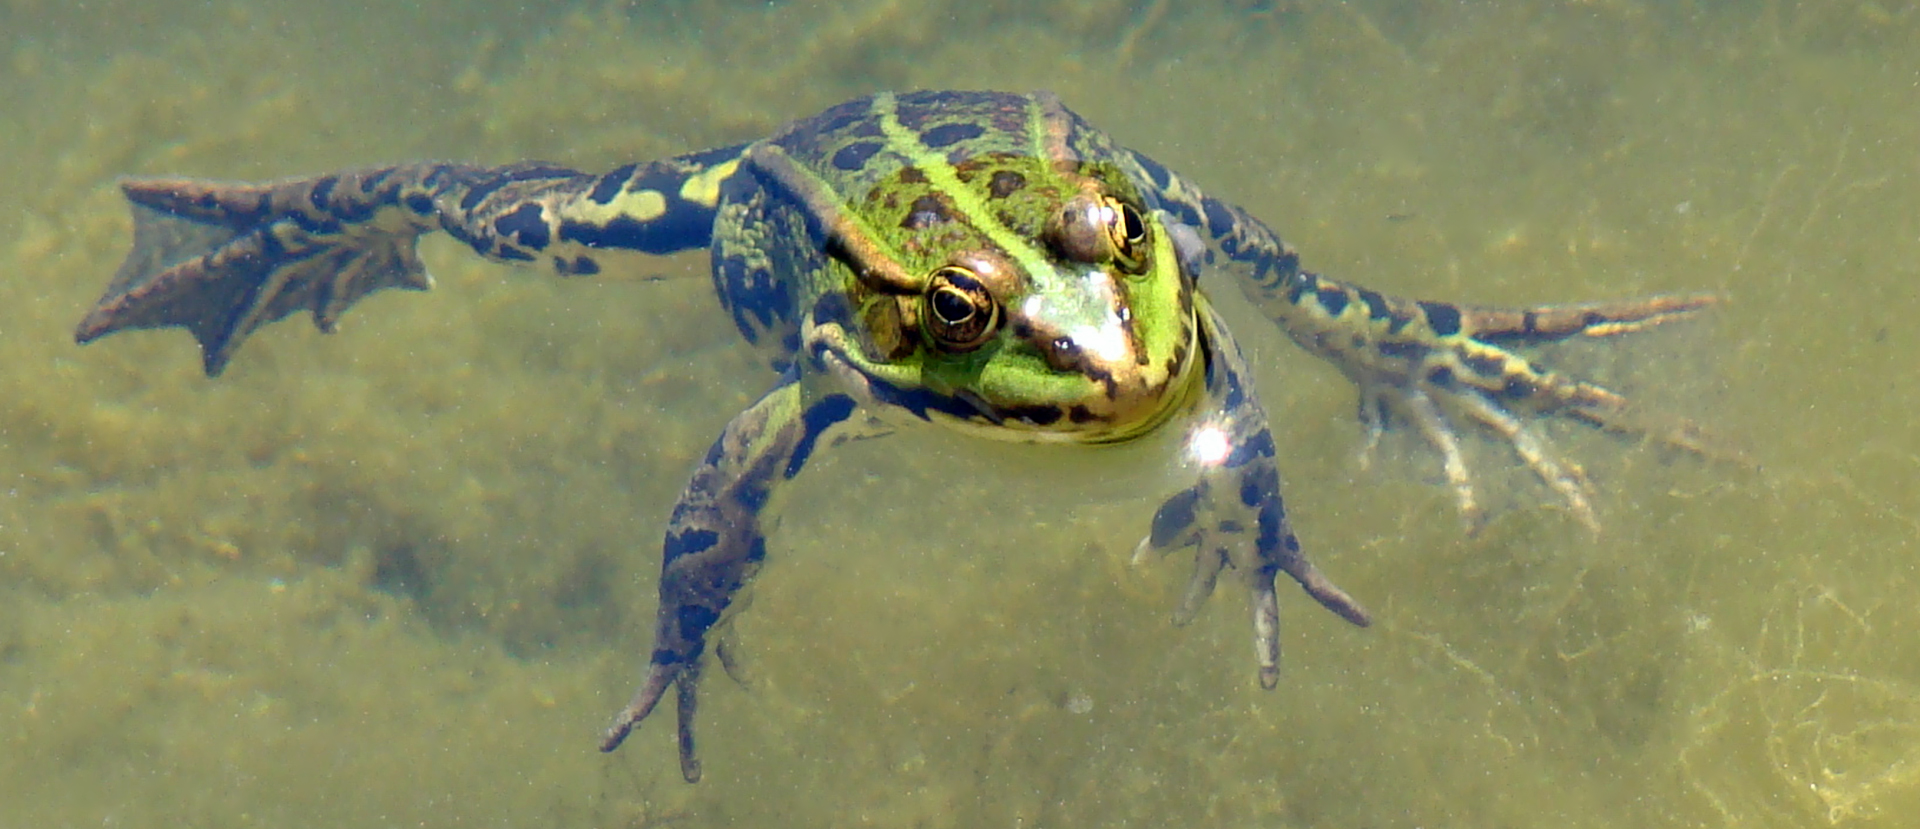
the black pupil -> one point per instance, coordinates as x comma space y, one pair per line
1130, 224
951, 305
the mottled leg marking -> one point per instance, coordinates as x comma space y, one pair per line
1424, 359
716, 542
1233, 516
1589, 403
222, 259
1440, 364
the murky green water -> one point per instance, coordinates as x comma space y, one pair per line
402, 575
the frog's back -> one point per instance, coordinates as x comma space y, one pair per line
919, 180
860, 144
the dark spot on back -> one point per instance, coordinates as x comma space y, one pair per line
855, 156
947, 135
843, 116
1005, 183
927, 211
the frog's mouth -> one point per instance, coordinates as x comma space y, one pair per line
1045, 398
1129, 398
1081, 363
1069, 391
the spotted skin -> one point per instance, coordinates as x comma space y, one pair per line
1437, 364
1214, 525
222, 259
982, 261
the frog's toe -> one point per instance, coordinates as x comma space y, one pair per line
1565, 478
659, 676
1207, 564
685, 678
1246, 533
1177, 526
1266, 633
1264, 603
1317, 585
688, 684
1474, 379
1433, 413
1435, 429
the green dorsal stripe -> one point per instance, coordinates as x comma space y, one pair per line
966, 200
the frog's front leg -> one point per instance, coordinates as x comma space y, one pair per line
1233, 517
717, 539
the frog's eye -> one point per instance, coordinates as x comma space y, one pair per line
960, 313
1127, 233
1098, 229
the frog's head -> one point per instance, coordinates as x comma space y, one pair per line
1017, 297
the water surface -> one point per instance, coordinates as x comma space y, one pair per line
402, 575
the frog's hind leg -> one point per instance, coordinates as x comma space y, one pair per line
222, 259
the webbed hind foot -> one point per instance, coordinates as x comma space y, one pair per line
1474, 375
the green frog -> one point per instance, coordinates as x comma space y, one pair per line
983, 261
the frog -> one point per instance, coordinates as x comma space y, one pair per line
985, 262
